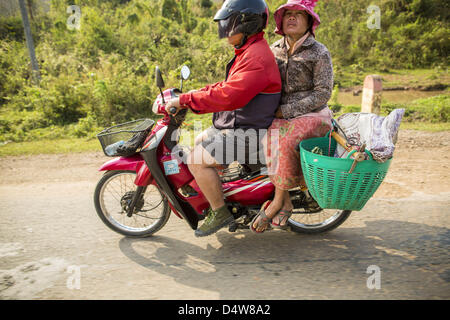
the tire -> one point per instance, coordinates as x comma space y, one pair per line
336, 220
112, 194
325, 219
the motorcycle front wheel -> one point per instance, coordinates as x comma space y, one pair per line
112, 197
321, 221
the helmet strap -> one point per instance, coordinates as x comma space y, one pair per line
243, 41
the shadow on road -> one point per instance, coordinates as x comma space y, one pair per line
406, 253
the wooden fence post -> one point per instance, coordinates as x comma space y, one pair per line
30, 44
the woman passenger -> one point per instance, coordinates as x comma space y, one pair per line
307, 82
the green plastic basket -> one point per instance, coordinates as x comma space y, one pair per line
329, 182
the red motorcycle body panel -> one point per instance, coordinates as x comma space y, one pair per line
132, 163
249, 192
176, 171
143, 176
178, 174
246, 192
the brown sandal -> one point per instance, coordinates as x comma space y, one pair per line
265, 220
281, 215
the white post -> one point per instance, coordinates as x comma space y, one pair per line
371, 100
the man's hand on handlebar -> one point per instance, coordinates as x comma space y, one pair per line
173, 106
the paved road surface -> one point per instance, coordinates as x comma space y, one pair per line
53, 246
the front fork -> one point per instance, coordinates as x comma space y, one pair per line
139, 193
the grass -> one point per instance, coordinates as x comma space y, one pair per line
395, 78
426, 126
415, 78
49, 147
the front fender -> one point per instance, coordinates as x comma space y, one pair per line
132, 163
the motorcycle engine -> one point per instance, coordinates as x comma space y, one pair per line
234, 172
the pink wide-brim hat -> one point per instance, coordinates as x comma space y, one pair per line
306, 5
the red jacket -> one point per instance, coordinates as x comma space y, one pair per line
249, 96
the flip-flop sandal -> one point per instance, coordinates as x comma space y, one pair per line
281, 215
265, 220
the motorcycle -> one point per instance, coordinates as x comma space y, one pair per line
141, 186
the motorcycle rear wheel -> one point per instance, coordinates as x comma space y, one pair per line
316, 222
334, 219
114, 193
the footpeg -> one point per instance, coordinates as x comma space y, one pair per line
233, 227
237, 225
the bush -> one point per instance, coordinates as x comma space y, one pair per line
435, 109
86, 127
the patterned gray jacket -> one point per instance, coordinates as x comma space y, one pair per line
306, 76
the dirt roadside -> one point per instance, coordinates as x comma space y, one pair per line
421, 163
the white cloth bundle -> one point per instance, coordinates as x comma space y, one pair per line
378, 133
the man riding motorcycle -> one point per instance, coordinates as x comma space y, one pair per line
245, 101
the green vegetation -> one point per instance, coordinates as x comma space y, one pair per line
412, 78
425, 126
103, 73
412, 34
429, 110
435, 109
49, 146
61, 145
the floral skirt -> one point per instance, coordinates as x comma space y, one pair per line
282, 149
